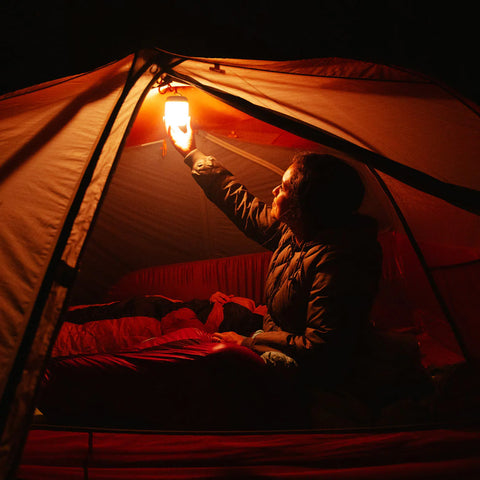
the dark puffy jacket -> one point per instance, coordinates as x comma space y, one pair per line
318, 293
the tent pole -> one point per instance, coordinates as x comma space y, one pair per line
423, 263
244, 154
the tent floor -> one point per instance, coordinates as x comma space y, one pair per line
74, 452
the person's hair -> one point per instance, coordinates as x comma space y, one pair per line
325, 188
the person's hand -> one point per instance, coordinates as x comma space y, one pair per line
220, 297
228, 337
183, 139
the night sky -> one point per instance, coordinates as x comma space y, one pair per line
47, 40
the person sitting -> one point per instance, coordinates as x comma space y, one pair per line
326, 263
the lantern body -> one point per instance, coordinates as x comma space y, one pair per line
176, 112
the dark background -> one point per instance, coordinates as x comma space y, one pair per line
44, 41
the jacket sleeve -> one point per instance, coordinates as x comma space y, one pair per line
328, 328
247, 212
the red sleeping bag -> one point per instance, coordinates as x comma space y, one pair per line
151, 362
180, 380
113, 326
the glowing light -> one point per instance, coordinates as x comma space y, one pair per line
176, 112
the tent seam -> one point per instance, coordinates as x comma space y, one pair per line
426, 269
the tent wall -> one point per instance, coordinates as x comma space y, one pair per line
407, 125
48, 137
59, 141
448, 239
393, 112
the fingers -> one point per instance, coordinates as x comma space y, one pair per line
182, 141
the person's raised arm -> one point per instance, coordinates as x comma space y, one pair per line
247, 212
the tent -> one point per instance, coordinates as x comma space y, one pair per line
75, 152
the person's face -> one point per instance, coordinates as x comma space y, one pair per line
283, 197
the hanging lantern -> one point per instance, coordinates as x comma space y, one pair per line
176, 112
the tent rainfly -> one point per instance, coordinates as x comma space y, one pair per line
415, 143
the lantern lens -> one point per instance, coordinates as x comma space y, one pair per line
176, 112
